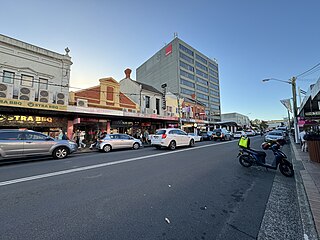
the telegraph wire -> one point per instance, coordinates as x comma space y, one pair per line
310, 71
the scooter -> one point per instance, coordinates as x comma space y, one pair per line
248, 157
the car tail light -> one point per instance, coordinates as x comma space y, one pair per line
164, 136
100, 141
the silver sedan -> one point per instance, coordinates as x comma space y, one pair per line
118, 141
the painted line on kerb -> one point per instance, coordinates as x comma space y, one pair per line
52, 174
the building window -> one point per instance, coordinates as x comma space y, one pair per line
187, 91
215, 107
185, 49
212, 79
202, 74
203, 67
200, 80
147, 102
201, 59
8, 77
26, 80
214, 93
203, 96
187, 83
213, 73
43, 83
110, 93
186, 74
186, 58
216, 100
203, 89
213, 66
186, 66
214, 86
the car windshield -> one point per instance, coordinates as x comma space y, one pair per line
275, 133
160, 132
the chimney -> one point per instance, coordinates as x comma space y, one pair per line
127, 72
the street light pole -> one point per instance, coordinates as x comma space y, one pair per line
294, 95
295, 123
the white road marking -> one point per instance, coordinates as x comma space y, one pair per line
46, 175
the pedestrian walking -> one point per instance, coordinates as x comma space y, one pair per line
60, 135
81, 138
303, 141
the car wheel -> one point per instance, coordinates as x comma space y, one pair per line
191, 144
172, 145
60, 153
136, 146
107, 148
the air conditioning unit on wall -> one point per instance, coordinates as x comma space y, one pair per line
61, 98
45, 96
27, 94
82, 102
6, 90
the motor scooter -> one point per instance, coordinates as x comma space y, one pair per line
248, 157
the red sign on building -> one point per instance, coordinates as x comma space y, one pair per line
168, 49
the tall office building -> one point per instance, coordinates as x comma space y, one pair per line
187, 73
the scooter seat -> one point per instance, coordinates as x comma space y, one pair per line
259, 153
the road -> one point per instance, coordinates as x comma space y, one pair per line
190, 193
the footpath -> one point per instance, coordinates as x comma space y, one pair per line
307, 176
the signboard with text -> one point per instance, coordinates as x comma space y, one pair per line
27, 104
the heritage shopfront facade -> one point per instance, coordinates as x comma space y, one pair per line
41, 117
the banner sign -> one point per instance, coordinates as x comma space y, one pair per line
287, 104
27, 104
24, 119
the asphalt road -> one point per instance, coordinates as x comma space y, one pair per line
190, 193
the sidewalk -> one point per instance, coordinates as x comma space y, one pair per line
307, 174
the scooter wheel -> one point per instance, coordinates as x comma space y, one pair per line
245, 160
286, 169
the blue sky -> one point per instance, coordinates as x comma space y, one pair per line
252, 40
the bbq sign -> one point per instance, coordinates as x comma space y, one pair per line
24, 119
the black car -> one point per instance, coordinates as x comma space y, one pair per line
206, 135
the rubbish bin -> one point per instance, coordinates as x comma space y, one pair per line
313, 143
314, 150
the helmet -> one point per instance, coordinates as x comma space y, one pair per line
265, 146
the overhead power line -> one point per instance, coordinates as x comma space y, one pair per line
310, 71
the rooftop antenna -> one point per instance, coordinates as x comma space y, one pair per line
175, 35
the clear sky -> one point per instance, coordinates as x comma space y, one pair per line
251, 39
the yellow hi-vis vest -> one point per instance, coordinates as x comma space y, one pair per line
244, 142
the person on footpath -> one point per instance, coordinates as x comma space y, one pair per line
303, 141
81, 138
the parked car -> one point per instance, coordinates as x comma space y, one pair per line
221, 134
239, 134
118, 141
172, 138
16, 143
274, 136
250, 133
197, 138
206, 135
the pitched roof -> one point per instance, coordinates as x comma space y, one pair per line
148, 87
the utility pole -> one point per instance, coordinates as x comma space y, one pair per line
179, 110
295, 123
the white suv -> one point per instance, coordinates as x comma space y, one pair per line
171, 138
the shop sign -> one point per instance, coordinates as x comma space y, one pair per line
312, 113
28, 104
24, 119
